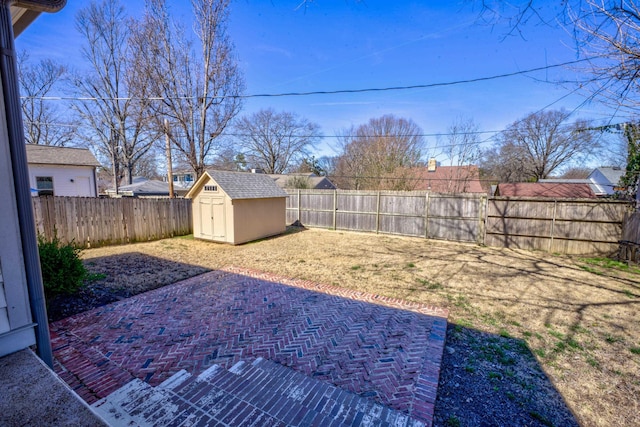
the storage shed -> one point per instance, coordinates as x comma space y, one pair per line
237, 207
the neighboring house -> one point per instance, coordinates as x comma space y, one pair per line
448, 179
546, 190
182, 179
303, 180
62, 171
237, 207
606, 180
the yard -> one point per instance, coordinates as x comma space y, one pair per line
511, 313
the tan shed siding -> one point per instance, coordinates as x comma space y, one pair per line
229, 210
258, 218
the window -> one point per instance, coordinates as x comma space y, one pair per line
44, 185
188, 178
175, 178
210, 188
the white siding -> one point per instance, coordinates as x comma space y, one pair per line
4, 316
67, 180
16, 330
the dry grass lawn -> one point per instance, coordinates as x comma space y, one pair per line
581, 318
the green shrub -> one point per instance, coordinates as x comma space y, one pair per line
62, 269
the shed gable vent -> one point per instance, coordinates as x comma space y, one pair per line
210, 188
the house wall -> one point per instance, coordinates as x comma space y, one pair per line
67, 180
16, 324
258, 218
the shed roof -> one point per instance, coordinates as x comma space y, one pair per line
243, 185
546, 189
51, 155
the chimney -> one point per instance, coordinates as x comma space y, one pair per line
432, 165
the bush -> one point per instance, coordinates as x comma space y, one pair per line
62, 269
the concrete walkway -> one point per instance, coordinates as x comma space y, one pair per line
32, 395
382, 349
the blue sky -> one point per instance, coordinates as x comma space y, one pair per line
349, 44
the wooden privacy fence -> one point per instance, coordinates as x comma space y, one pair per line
563, 226
630, 241
92, 222
408, 213
566, 226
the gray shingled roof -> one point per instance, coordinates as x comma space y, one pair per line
144, 188
50, 155
245, 185
612, 174
314, 181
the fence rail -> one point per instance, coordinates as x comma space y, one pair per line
563, 226
92, 222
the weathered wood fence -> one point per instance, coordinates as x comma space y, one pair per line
92, 222
630, 241
578, 226
562, 226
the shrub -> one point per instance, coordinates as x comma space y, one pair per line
62, 269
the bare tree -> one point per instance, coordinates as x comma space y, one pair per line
117, 113
44, 124
539, 144
275, 141
198, 91
462, 148
379, 155
607, 33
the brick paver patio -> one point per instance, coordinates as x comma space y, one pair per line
385, 349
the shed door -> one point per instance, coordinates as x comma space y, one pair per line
217, 219
212, 219
206, 223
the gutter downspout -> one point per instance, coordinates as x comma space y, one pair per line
9, 75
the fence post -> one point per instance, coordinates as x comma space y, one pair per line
426, 217
553, 224
482, 210
378, 213
335, 207
299, 217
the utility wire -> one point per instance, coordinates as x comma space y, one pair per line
320, 92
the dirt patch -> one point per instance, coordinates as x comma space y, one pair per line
578, 323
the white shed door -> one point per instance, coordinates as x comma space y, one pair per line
206, 225
217, 219
212, 220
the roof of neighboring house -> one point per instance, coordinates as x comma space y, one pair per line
315, 182
241, 185
144, 188
590, 183
449, 179
50, 155
546, 189
612, 174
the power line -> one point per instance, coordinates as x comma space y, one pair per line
318, 92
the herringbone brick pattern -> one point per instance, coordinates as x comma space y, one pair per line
383, 349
